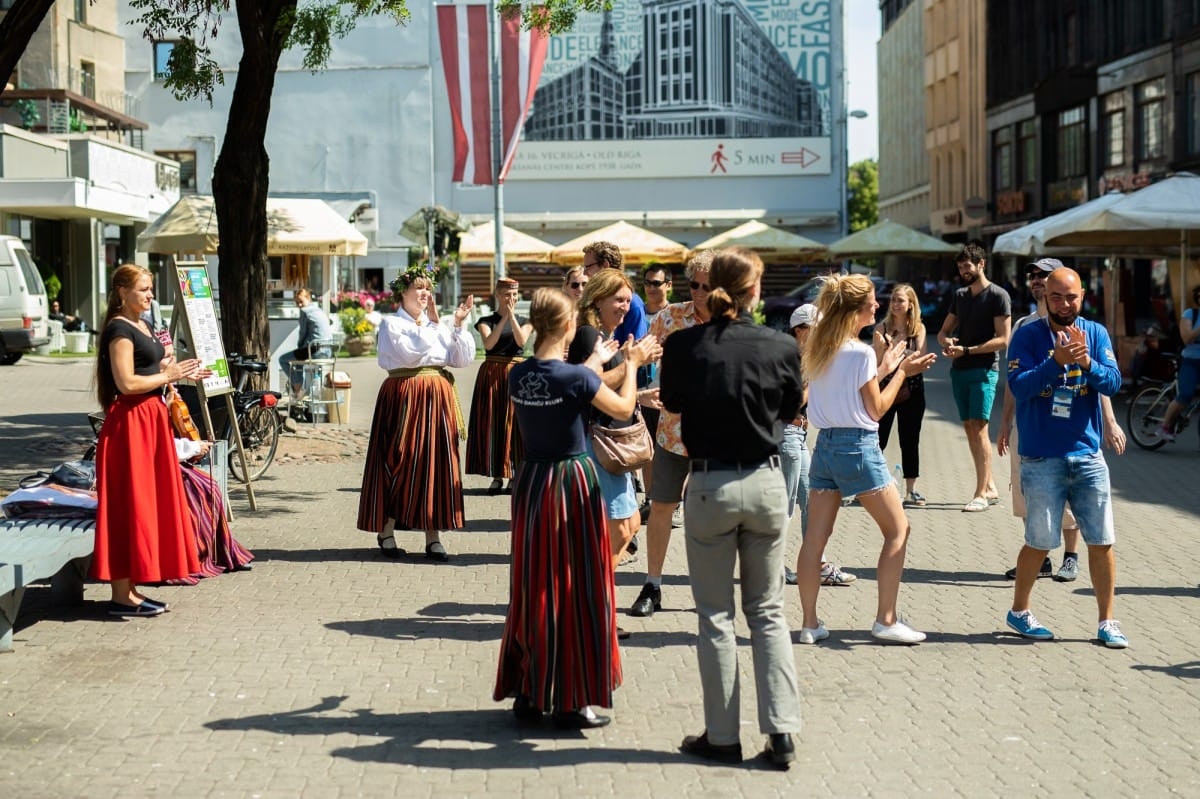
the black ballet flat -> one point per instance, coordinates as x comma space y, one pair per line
393, 553
155, 603
436, 552
144, 609
525, 712
496, 487
580, 720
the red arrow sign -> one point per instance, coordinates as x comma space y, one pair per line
805, 157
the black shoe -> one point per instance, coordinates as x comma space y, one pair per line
789, 576
524, 710
496, 487
155, 603
580, 720
644, 511
699, 746
144, 609
648, 601
436, 551
1047, 571
632, 549
780, 751
622, 634
394, 552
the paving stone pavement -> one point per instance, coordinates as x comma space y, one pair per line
328, 671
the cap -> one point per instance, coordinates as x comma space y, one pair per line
1044, 264
804, 315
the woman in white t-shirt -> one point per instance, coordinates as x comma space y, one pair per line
845, 402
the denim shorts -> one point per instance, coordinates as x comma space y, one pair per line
1049, 483
620, 499
849, 460
974, 392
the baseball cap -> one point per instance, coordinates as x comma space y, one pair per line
804, 315
1044, 264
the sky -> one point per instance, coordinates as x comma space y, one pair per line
862, 35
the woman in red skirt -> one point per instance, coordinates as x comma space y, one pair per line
559, 649
493, 444
411, 480
143, 531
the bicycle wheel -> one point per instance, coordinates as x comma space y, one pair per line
260, 437
1146, 412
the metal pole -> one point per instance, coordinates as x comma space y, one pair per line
497, 139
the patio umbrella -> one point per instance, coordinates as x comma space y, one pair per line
1030, 240
889, 238
638, 246
479, 244
771, 243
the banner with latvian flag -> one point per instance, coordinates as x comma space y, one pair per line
463, 35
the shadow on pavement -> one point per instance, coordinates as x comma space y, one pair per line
448, 739
35, 442
1188, 671
369, 553
401, 629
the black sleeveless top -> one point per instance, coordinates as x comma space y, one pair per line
506, 346
148, 351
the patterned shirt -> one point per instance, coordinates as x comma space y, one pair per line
675, 317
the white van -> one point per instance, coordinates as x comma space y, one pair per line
24, 310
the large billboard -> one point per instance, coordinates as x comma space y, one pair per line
685, 89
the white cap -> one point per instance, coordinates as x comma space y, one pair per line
804, 315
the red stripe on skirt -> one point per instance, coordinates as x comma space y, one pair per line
493, 441
412, 472
559, 646
143, 530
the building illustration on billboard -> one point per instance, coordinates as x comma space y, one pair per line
744, 83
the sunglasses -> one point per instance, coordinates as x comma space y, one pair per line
577, 284
699, 286
656, 283
586, 265
1036, 274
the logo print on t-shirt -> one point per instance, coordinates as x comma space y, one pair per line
533, 387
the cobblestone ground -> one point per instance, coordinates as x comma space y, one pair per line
327, 671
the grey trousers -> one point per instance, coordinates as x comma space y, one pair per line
733, 516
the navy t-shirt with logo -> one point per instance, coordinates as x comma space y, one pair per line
552, 401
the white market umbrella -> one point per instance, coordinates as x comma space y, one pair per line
1030, 240
638, 246
889, 238
479, 245
771, 243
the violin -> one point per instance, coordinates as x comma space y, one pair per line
181, 419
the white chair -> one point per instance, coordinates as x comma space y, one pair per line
58, 341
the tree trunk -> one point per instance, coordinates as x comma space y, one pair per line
16, 29
242, 175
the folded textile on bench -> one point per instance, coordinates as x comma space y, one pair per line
50, 501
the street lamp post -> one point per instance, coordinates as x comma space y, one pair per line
855, 114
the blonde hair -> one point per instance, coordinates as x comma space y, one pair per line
550, 311
912, 319
841, 299
600, 286
734, 275
125, 277
699, 262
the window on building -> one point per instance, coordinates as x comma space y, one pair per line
187, 168
1112, 131
1193, 113
87, 79
162, 55
1027, 149
1002, 158
1072, 143
1151, 118
81, 7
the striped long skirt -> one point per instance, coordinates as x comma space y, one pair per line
560, 636
493, 442
219, 550
412, 470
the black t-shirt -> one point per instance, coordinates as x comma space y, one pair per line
551, 400
148, 352
506, 346
580, 350
976, 315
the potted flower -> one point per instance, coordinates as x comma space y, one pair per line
360, 334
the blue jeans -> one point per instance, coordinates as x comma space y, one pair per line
794, 458
1049, 483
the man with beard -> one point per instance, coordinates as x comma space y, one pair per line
1058, 369
979, 321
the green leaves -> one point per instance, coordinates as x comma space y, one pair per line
551, 16
862, 204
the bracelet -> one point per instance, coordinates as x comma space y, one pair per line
966, 350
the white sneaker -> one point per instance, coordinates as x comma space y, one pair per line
810, 635
898, 633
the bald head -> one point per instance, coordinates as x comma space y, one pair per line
1064, 296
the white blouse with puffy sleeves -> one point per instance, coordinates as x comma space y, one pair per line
406, 343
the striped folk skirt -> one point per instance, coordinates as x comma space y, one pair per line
219, 550
493, 443
560, 636
412, 470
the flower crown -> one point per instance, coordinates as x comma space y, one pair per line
433, 272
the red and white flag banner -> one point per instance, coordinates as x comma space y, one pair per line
463, 36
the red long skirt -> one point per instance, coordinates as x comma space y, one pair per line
493, 442
559, 646
143, 530
412, 469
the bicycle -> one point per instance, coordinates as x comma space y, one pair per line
1148, 407
256, 419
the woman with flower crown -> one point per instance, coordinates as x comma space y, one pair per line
411, 480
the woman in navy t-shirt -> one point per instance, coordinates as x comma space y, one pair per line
559, 650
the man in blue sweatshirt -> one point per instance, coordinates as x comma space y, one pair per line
1058, 368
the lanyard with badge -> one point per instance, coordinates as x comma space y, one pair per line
1064, 395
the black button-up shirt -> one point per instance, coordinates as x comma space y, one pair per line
735, 385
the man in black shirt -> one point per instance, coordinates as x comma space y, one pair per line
735, 384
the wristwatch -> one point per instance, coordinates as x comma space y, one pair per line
966, 350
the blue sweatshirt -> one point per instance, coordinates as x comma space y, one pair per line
1033, 378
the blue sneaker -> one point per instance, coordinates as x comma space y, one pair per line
1027, 626
1111, 636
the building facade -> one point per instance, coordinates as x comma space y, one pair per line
903, 157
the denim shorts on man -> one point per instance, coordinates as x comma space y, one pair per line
1049, 483
974, 392
848, 459
670, 473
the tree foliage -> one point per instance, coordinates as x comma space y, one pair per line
862, 204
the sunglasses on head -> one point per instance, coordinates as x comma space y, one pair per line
578, 284
699, 286
656, 283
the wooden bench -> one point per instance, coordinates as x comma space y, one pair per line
41, 549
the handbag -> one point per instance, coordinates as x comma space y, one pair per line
623, 449
904, 393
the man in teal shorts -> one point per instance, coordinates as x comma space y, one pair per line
975, 330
